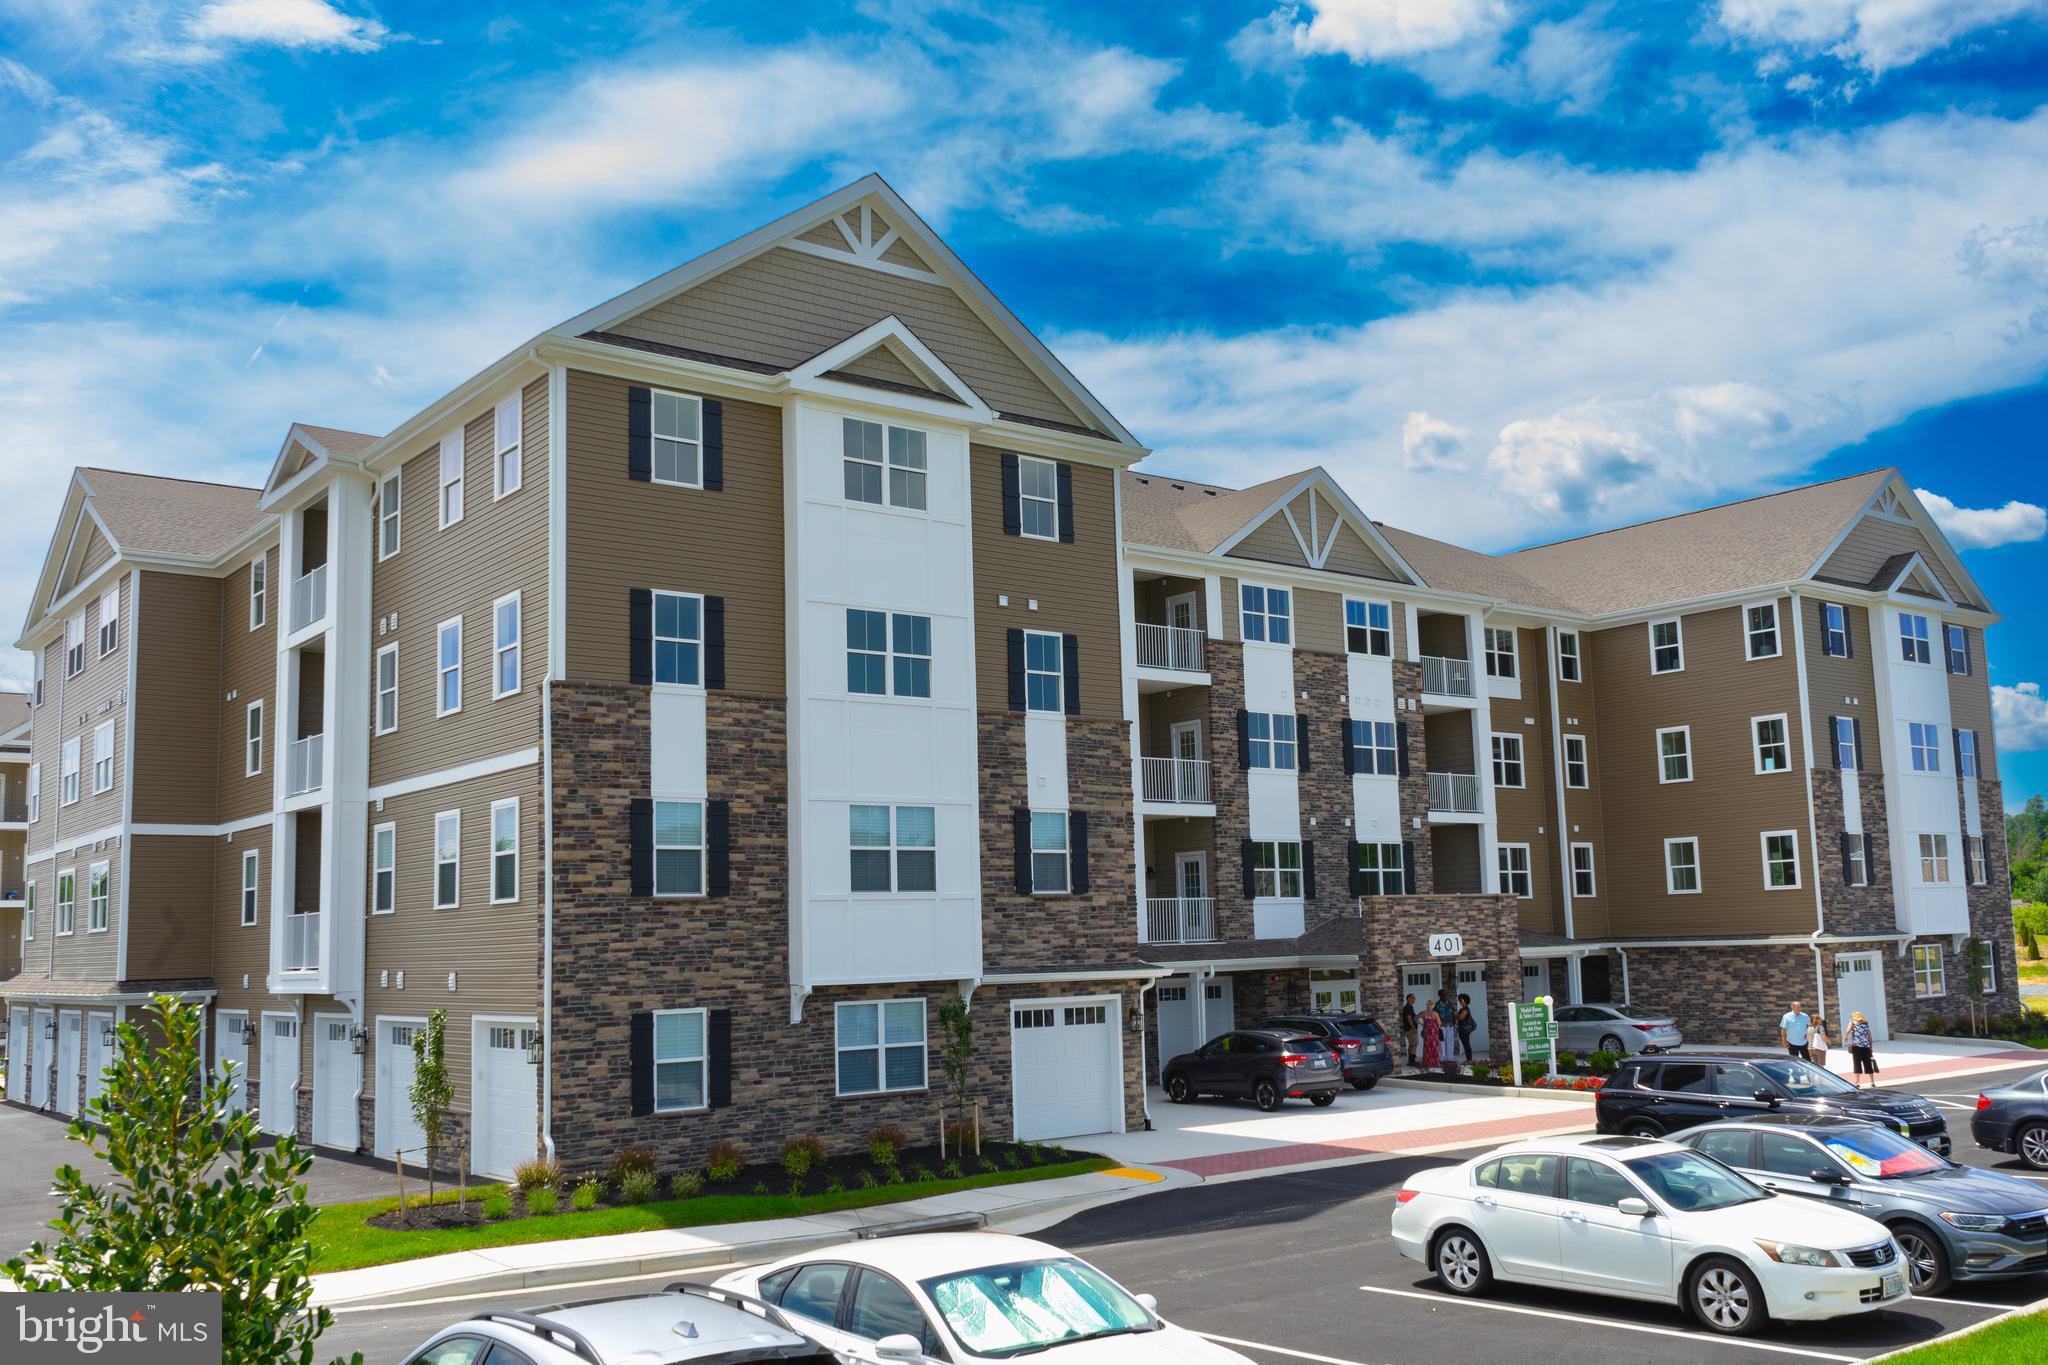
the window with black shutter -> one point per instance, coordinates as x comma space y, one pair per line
1077, 850
640, 434
1013, 504
1302, 746
714, 448
720, 1048
1247, 857
718, 848
640, 635
1066, 501
1070, 659
1408, 864
1244, 739
1020, 833
640, 1061
641, 824
1401, 744
1016, 670
714, 642
1308, 870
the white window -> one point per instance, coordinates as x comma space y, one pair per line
1913, 646
1834, 634
28, 913
448, 664
1925, 743
506, 465
880, 1046
1582, 870
1038, 498
1500, 653
505, 646
1049, 851
1855, 867
451, 478
1368, 627
390, 499
1966, 753
1771, 736
1760, 631
1929, 975
96, 887
1568, 655
1514, 870
447, 860
1044, 672
251, 879
67, 901
74, 645
1268, 614
1269, 739
36, 697
252, 740
1507, 760
677, 439
103, 758
678, 638
259, 591
505, 850
893, 848
1988, 962
387, 689
1373, 750
1276, 870
35, 792
888, 653
383, 869
1845, 742
110, 620
679, 1063
1973, 849
1380, 869
1667, 646
70, 792
678, 848
1577, 771
1934, 859
1682, 866
872, 449
1781, 860
1956, 643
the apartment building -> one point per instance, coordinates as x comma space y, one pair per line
694, 700
13, 827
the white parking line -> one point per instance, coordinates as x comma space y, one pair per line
1605, 1322
1971, 1303
1278, 1350
1955, 1104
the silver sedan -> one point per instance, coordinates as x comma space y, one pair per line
1620, 1029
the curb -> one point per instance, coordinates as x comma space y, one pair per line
2017, 1311
1519, 1092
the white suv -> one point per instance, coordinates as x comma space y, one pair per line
683, 1323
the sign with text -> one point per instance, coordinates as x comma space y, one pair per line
1530, 1033
1446, 945
117, 1329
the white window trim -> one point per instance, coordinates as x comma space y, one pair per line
1903, 635
1066, 852
252, 744
1976, 862
249, 891
98, 788
1059, 676
259, 593
1914, 748
28, 912
1277, 869
439, 861
1826, 630
1764, 847
500, 489
1592, 876
1749, 636
654, 657
1756, 743
378, 692
1699, 880
499, 648
1651, 632
1505, 874
880, 1047
375, 832
698, 440
510, 803
1939, 974
1585, 763
74, 648
1272, 741
100, 908
702, 1059
394, 482
1369, 603
1861, 863
895, 848
70, 785
1023, 497
1244, 613
1922, 858
1575, 654
35, 792
1500, 761
1948, 654
110, 616
65, 919
1971, 755
441, 671
456, 442
1513, 651
703, 851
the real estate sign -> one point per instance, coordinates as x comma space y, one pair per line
1532, 1034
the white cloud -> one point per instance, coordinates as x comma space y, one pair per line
1428, 444
1878, 35
2020, 716
1982, 528
1570, 463
1373, 30
310, 25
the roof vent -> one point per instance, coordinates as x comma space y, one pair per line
1210, 492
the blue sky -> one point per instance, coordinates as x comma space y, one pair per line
1511, 270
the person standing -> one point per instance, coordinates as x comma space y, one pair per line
1432, 1040
1793, 1031
1465, 1024
1860, 1045
1408, 1025
1817, 1042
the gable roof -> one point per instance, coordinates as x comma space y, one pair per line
154, 515
1457, 569
1179, 514
318, 444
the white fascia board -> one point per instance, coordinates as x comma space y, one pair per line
890, 401
1320, 478
890, 330
518, 366
599, 357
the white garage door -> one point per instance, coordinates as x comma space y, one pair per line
396, 1127
277, 1079
335, 1072
18, 1049
1178, 1030
1066, 1073
508, 1105
229, 1048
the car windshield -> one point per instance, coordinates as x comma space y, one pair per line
1878, 1153
1637, 1012
1690, 1183
1802, 1080
1013, 1310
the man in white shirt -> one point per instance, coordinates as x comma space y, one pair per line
1793, 1031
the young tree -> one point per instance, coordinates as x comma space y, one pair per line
195, 1203
956, 1049
432, 1091
1976, 974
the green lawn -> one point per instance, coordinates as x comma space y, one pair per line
2016, 1341
343, 1239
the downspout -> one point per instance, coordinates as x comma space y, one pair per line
1144, 1086
1622, 953
558, 572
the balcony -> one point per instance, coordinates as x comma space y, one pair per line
302, 942
1173, 648
1446, 677
305, 764
1174, 781
309, 599
1180, 919
1454, 793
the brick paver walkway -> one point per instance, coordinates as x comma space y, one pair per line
1410, 1140
1954, 1066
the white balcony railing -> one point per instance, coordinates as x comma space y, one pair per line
1180, 919
1174, 647
1447, 677
304, 765
1456, 792
302, 942
1178, 781
309, 598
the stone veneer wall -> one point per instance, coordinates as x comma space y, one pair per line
1415, 786
1396, 932
1853, 909
1322, 682
1991, 903
1228, 789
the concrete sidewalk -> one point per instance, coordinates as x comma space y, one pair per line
1909, 1057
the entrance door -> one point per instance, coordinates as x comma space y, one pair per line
1338, 995
1472, 982
1422, 983
508, 1107
1859, 985
99, 1053
277, 1083
1535, 980
230, 1048
70, 1036
18, 1050
1066, 1078
1186, 738
336, 1070
1180, 611
396, 1128
44, 1035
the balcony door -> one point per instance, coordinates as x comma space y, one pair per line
1186, 738
1180, 611
1191, 876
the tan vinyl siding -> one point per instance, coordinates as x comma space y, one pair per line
1319, 620
783, 307
1442, 636
1274, 543
1149, 599
1448, 737
14, 806
1232, 605
240, 951
248, 672
1843, 687
1167, 838
1161, 711
1454, 853
824, 234
97, 552
44, 745
1350, 554
900, 252
80, 955
499, 547
881, 363
1586, 820
171, 919
1969, 705
1073, 584
177, 706
76, 707
1529, 815
1875, 539
624, 534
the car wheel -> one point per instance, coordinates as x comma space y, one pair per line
1642, 1128
1368, 1083
1610, 1043
1726, 1298
1177, 1089
1266, 1095
1926, 1259
2032, 1145
1324, 1100
1459, 1259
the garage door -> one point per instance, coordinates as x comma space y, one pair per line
230, 1049
510, 1107
396, 1128
18, 1049
1066, 1071
1178, 1030
277, 1079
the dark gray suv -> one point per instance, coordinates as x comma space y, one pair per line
1357, 1039
1266, 1066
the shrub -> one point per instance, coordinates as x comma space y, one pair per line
953, 1171
1567, 1061
634, 1160
868, 1180
800, 1156
1604, 1062
988, 1167
1012, 1158
497, 1206
885, 1144
923, 1173
1533, 1072
638, 1187
685, 1185
760, 1187
1481, 1071
2033, 945
541, 1199
529, 1176
959, 1136
834, 1185
585, 1197
724, 1161
1937, 1027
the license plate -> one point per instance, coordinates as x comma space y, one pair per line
1894, 1285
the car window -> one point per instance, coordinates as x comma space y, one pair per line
1251, 1044
501, 1354
1873, 1152
884, 1308
1575, 1014
1361, 1028
1591, 1182
773, 1285
1217, 1047
1488, 1174
1783, 1154
1691, 1184
813, 1291
454, 1351
1629, 1076
1804, 1080
1734, 1079
1690, 1078
1530, 1173
1729, 1148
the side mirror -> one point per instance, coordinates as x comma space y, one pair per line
1820, 1175
1634, 1208
901, 1346
1763, 1096
1149, 1304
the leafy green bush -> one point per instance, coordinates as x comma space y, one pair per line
923, 1173
724, 1161
868, 1181
885, 1145
959, 1136
1567, 1061
529, 1176
638, 1187
800, 1156
497, 1206
1533, 1069
585, 1197
685, 1185
834, 1185
541, 1199
635, 1160
952, 1170
760, 1187
1481, 1071
1605, 1061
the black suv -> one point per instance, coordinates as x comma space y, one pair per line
1652, 1096
1269, 1065
1356, 1038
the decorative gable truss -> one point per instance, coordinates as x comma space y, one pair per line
1327, 529
864, 234
839, 370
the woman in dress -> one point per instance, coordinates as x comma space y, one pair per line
1859, 1048
1432, 1041
1817, 1042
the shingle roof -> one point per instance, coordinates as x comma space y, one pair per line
13, 711
1457, 569
150, 514
338, 441
1179, 514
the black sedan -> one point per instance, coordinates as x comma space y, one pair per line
1265, 1065
1654, 1096
2014, 1118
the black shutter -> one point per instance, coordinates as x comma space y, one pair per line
640, 1055
1020, 829
718, 848
1077, 850
1834, 744
1016, 670
714, 444
1070, 660
640, 635
1251, 882
1066, 496
642, 823
1301, 744
1244, 739
1968, 661
639, 434
1848, 871
1848, 635
1826, 647
1856, 736
1869, 859
1401, 744
720, 1052
1350, 755
1408, 866
1357, 872
714, 642
1013, 506
1308, 871
1955, 739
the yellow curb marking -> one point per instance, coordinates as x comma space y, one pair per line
1129, 1174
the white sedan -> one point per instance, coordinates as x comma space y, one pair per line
963, 1296
1644, 1219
